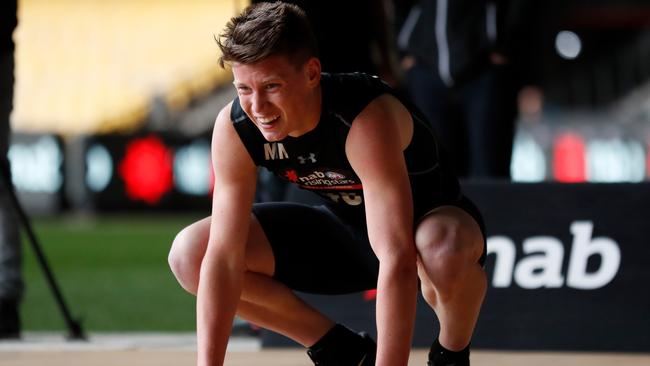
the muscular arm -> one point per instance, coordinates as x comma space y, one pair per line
375, 149
222, 268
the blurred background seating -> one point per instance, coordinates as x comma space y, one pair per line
96, 66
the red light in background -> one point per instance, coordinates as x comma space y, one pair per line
569, 163
147, 169
370, 295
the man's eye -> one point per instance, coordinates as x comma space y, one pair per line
271, 86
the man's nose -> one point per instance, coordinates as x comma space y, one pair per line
258, 102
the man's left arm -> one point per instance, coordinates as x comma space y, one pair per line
374, 148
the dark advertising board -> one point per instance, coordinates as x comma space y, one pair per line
140, 172
569, 266
568, 269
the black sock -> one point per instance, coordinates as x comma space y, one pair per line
338, 346
440, 356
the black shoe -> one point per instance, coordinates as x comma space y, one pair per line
342, 347
440, 356
9, 319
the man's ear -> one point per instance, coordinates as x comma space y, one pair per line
313, 69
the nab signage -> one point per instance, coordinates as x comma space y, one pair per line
541, 263
567, 266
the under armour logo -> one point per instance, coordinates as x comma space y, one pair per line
311, 158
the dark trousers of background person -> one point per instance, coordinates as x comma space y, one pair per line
11, 284
474, 120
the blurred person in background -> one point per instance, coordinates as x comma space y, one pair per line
394, 213
353, 36
461, 69
11, 285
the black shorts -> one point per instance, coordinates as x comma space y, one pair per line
317, 252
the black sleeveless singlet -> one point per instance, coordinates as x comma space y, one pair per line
316, 161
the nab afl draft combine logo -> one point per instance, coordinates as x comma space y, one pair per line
334, 175
325, 179
291, 175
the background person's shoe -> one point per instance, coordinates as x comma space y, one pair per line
9, 319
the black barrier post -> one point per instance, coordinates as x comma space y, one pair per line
74, 326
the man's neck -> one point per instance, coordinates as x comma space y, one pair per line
313, 107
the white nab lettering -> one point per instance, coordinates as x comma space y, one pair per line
543, 269
541, 265
583, 248
275, 150
504, 264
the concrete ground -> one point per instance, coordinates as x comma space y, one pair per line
162, 349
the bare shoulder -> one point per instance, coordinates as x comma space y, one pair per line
223, 117
384, 103
229, 156
224, 136
384, 118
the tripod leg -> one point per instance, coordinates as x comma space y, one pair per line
74, 326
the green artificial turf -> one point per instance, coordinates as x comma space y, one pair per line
112, 271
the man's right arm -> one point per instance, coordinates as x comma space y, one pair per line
223, 265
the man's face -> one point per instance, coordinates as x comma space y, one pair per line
277, 96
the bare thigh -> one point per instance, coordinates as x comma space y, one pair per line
194, 239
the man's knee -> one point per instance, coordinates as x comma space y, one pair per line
177, 259
185, 259
448, 243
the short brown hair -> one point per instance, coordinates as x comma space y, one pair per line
268, 29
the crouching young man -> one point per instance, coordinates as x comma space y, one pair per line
395, 217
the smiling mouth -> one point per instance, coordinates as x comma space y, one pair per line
267, 121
